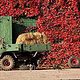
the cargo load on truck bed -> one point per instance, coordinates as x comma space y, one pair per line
32, 38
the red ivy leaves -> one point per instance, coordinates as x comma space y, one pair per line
58, 19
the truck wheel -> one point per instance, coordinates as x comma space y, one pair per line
74, 62
7, 62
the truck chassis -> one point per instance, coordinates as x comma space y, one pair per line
21, 56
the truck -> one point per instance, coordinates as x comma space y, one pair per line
22, 56
11, 53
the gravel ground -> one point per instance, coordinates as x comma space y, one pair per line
64, 74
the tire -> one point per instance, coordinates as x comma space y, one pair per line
74, 62
7, 63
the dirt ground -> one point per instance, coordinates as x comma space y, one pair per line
64, 74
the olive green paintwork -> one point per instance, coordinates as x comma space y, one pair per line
9, 32
13, 47
6, 28
17, 47
2, 49
10, 47
29, 22
25, 21
37, 47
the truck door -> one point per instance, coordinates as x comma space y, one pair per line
6, 28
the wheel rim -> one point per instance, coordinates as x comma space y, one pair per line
74, 61
6, 63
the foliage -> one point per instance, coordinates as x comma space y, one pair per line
58, 19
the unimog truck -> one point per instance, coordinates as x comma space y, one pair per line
22, 56
12, 54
